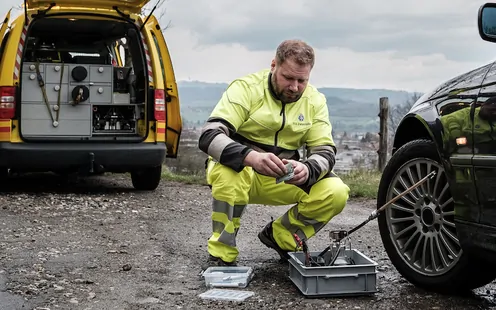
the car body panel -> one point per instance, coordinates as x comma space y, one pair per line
484, 160
172, 127
445, 115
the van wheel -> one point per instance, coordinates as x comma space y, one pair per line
418, 231
147, 179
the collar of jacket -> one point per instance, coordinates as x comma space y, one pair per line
271, 87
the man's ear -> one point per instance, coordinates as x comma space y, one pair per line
272, 65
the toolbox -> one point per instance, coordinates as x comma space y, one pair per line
359, 278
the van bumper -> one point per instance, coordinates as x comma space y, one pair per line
89, 157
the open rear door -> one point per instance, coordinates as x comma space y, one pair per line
133, 6
173, 123
5, 25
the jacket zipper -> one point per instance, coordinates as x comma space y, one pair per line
283, 113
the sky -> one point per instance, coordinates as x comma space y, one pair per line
411, 45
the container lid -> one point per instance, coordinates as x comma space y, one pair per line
228, 295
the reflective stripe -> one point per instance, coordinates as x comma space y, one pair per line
217, 227
238, 210
218, 145
226, 215
223, 207
286, 222
227, 238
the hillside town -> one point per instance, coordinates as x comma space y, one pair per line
356, 151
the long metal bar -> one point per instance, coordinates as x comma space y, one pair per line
376, 213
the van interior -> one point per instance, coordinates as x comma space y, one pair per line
72, 85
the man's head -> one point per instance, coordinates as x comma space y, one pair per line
291, 69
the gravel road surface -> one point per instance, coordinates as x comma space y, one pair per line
98, 244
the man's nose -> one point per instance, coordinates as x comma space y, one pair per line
293, 86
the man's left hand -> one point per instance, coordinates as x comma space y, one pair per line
300, 172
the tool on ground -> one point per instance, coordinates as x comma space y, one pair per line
337, 236
288, 176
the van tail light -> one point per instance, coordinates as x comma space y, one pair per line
159, 108
7, 102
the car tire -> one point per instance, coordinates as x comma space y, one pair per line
147, 179
461, 272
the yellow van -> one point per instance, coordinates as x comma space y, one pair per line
87, 87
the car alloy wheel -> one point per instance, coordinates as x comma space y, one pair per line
421, 223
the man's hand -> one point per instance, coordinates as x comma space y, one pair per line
265, 163
300, 172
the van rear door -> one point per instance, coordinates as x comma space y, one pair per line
173, 121
133, 6
5, 24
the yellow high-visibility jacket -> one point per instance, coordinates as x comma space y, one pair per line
250, 117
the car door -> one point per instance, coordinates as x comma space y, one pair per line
454, 102
484, 137
173, 121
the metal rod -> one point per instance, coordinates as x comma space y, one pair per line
376, 213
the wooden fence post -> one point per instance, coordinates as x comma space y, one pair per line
383, 133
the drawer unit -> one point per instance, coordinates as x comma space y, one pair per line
101, 74
39, 128
67, 112
53, 72
100, 94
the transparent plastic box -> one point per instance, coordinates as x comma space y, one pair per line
226, 276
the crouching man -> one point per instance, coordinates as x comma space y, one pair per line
254, 130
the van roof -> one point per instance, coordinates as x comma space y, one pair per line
133, 6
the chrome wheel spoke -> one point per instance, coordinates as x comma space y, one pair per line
442, 254
448, 223
446, 203
401, 208
421, 223
447, 246
413, 181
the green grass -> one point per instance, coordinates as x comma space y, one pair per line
183, 178
363, 184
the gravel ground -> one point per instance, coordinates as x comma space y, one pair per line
98, 244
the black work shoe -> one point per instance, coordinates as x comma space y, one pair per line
267, 238
213, 261
217, 261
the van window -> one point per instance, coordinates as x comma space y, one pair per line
4, 43
159, 54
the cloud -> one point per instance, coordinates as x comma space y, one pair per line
341, 67
410, 44
408, 27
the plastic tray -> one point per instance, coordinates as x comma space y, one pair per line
228, 276
333, 281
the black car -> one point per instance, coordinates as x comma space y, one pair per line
442, 235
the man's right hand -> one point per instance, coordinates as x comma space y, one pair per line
265, 163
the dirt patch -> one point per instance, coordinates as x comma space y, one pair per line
98, 244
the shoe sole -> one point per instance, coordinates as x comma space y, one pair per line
268, 243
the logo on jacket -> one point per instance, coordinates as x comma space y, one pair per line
301, 117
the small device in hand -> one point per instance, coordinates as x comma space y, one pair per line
288, 176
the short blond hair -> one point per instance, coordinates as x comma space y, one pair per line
297, 50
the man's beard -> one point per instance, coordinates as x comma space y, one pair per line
281, 95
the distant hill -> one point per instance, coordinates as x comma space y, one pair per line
350, 109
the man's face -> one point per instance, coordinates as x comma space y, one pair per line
289, 80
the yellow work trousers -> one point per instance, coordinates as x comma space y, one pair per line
232, 191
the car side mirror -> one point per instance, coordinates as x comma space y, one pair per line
486, 22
